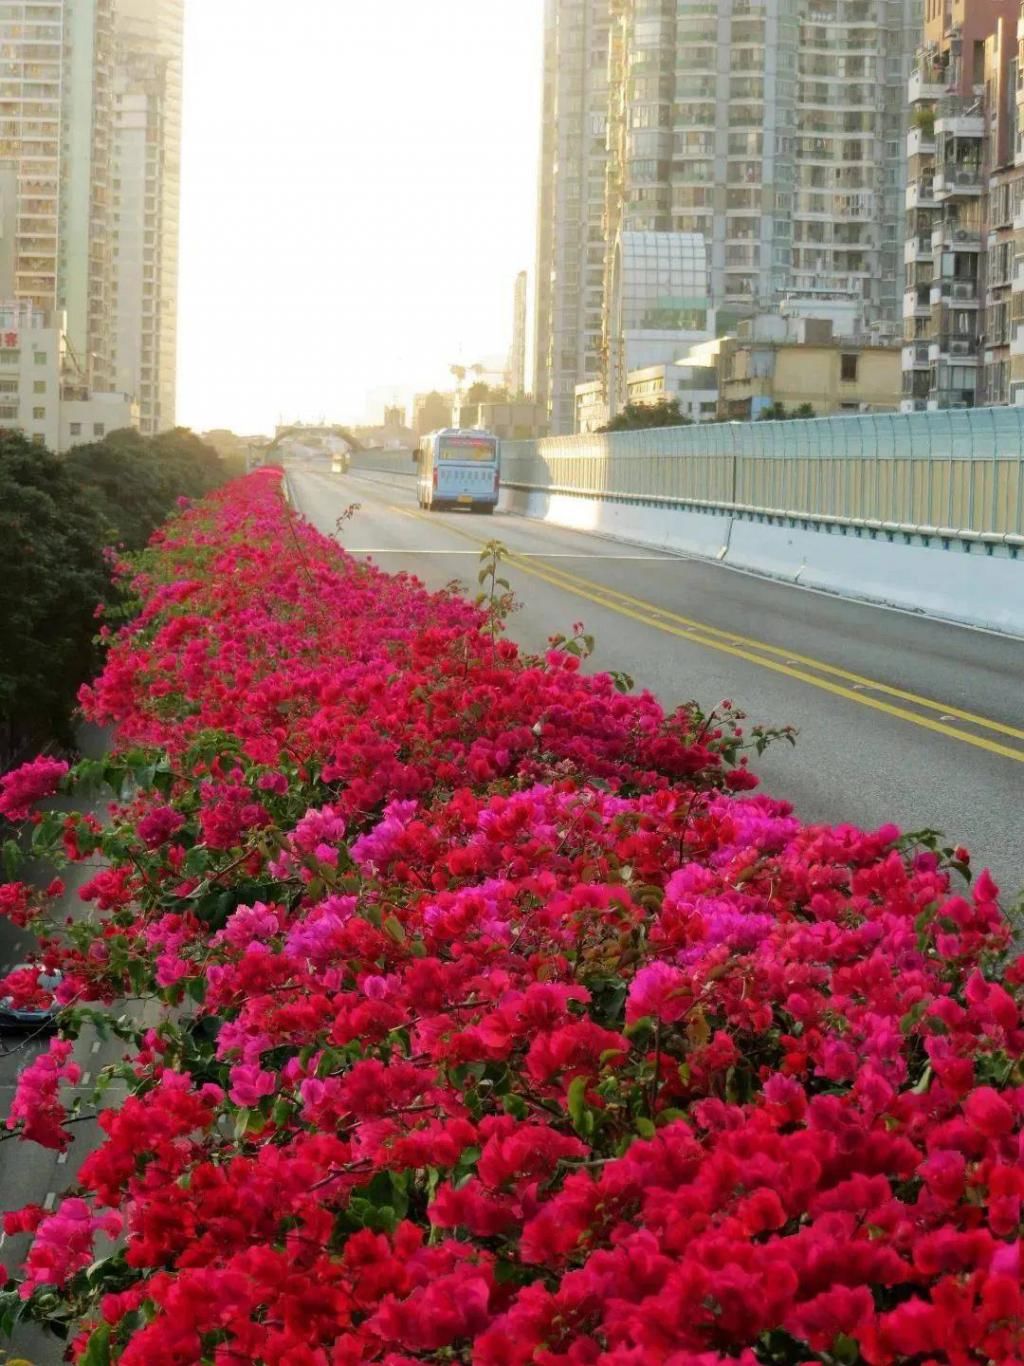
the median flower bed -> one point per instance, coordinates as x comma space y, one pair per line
500, 1019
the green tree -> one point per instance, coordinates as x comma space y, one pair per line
56, 517
435, 412
639, 416
136, 479
483, 393
52, 575
778, 412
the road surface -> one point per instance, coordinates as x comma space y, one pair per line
901, 718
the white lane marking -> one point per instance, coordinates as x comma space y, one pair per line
86, 1079
50, 1201
405, 550
62, 1159
519, 554
97, 1046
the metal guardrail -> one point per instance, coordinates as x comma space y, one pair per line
953, 474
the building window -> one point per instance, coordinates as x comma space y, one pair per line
76, 429
10, 357
38, 439
40, 357
848, 369
39, 414
39, 386
98, 429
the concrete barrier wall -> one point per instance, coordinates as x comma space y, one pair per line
972, 583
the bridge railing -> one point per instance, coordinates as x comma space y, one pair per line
951, 473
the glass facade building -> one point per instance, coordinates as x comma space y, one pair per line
659, 303
90, 132
571, 233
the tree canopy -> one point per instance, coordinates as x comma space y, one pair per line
484, 393
136, 479
52, 575
57, 515
778, 412
639, 416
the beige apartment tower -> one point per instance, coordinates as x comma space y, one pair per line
90, 152
56, 75
963, 313
570, 228
146, 203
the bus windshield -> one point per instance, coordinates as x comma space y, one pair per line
467, 449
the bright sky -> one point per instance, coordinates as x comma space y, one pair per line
359, 192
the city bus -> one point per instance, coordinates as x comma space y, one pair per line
458, 469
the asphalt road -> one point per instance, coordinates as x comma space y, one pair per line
901, 718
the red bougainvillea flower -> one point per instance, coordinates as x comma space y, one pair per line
489, 1016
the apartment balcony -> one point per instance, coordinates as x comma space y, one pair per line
916, 357
963, 350
915, 305
918, 249
960, 118
950, 237
921, 194
1017, 340
920, 142
1017, 279
927, 83
960, 293
958, 181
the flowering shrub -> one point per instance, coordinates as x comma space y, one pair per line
501, 1022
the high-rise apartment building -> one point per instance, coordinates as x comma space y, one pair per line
31, 81
146, 193
571, 235
774, 128
90, 124
56, 66
85, 275
963, 200
517, 352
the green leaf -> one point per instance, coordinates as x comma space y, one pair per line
197, 861
196, 988
515, 1106
912, 1017
281, 1113
246, 1120
845, 1349
12, 859
395, 928
138, 975
98, 1351
579, 1111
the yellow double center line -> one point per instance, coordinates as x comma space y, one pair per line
866, 692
